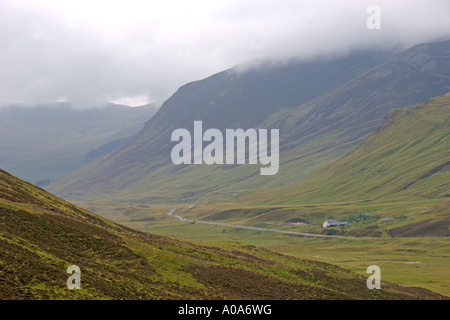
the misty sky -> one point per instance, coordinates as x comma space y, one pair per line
134, 52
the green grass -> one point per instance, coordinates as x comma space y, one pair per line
391, 254
395, 257
41, 235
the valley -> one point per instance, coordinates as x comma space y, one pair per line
387, 225
41, 235
368, 146
213, 151
410, 261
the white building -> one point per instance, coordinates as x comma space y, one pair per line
332, 223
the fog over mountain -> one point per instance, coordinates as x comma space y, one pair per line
136, 52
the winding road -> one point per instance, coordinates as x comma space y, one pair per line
264, 229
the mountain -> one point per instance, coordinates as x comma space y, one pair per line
408, 157
322, 109
42, 235
48, 142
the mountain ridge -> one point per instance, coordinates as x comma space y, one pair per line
312, 134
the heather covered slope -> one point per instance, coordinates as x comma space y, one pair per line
350, 98
41, 235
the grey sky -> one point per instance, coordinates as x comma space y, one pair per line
137, 51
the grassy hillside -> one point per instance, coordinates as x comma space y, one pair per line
41, 235
408, 157
400, 173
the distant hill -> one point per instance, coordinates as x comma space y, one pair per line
323, 108
41, 236
43, 144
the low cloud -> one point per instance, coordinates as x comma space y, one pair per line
90, 51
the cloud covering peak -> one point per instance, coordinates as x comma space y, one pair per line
85, 52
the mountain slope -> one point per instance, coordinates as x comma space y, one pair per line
230, 99
41, 235
50, 142
408, 157
316, 126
